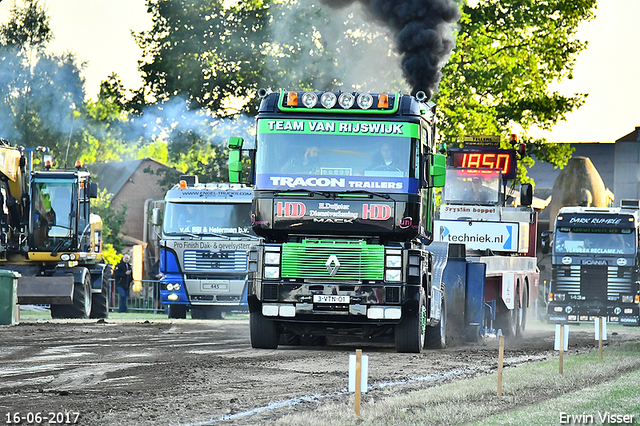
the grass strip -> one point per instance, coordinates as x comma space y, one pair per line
45, 315
612, 402
531, 390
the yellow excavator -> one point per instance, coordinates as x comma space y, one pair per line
50, 237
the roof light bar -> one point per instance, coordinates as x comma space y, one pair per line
340, 102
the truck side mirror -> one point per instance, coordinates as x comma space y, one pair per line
545, 240
437, 170
93, 190
526, 194
235, 160
156, 220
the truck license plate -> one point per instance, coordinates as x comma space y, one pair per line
330, 298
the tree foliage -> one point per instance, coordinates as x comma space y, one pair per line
203, 52
508, 53
497, 80
41, 91
112, 220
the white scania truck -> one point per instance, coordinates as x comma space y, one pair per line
206, 234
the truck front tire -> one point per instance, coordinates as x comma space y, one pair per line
100, 302
264, 332
177, 311
411, 332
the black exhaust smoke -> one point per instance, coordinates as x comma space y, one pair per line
424, 35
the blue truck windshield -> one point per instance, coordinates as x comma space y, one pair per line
207, 219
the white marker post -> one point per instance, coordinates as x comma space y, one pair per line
500, 361
561, 342
601, 332
358, 372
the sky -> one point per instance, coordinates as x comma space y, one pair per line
99, 32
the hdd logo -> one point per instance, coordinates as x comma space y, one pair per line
290, 209
376, 211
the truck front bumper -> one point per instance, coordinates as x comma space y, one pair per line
331, 302
567, 313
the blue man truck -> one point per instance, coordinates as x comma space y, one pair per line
206, 235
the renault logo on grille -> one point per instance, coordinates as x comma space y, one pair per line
333, 264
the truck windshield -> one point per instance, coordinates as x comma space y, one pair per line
53, 214
472, 186
207, 218
616, 241
336, 155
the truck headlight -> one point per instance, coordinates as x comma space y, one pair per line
346, 100
271, 272
272, 258
392, 275
309, 99
393, 261
328, 99
173, 287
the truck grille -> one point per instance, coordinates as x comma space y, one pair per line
205, 260
594, 282
333, 260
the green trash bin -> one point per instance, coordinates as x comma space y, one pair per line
8, 297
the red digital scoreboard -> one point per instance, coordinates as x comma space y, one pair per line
504, 160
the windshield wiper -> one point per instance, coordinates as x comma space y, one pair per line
305, 192
253, 237
182, 234
360, 191
215, 235
55, 251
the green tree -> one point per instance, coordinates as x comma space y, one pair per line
40, 92
112, 220
508, 53
203, 52
106, 130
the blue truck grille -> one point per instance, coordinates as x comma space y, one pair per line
224, 260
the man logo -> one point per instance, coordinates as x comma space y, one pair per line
333, 264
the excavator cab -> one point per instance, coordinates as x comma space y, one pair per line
59, 212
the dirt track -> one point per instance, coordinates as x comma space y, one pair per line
205, 372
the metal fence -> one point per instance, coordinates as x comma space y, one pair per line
145, 300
